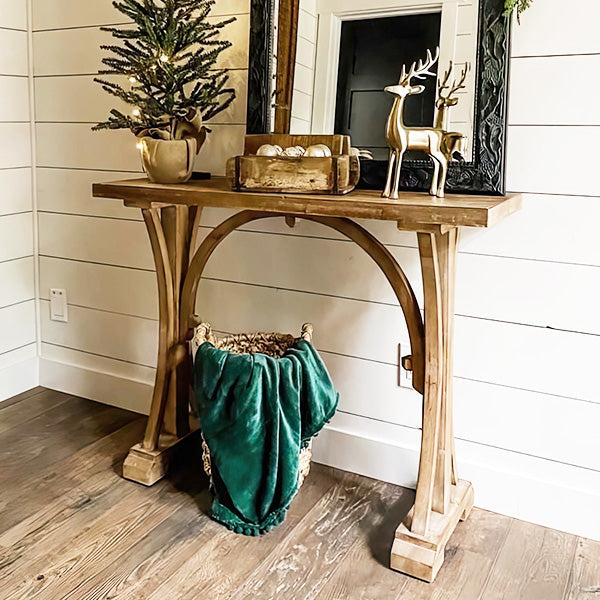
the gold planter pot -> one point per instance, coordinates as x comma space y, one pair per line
168, 161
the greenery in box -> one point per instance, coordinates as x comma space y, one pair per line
168, 56
519, 5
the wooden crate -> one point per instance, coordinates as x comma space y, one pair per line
336, 174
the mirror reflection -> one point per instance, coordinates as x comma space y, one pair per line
348, 51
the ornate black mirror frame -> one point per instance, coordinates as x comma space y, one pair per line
485, 174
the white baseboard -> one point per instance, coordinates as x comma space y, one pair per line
97, 378
18, 372
537, 490
533, 489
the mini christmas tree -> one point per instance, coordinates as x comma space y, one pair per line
168, 57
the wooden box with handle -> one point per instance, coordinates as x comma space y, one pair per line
335, 174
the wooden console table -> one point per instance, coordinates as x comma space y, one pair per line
172, 215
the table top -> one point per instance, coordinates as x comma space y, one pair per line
410, 209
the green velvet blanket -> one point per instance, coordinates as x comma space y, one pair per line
256, 412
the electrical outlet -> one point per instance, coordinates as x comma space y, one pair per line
405, 377
58, 305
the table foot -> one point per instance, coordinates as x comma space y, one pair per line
149, 466
423, 556
468, 509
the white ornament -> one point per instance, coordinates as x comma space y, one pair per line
294, 151
318, 150
267, 150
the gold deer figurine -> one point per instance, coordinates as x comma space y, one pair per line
439, 144
444, 102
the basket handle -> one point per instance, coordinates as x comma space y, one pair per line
307, 332
203, 334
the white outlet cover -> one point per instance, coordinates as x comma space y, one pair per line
58, 305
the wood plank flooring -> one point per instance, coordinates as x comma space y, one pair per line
72, 529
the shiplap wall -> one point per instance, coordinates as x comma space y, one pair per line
527, 331
18, 362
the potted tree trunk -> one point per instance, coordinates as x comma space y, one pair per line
166, 63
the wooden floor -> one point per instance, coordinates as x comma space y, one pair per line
72, 529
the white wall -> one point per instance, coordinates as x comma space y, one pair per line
18, 363
98, 250
302, 100
527, 400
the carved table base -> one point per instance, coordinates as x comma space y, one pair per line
440, 499
147, 466
423, 556
172, 216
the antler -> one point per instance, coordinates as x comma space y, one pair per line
421, 70
455, 85
443, 84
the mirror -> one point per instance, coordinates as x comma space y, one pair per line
348, 52
323, 66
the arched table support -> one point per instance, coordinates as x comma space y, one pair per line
359, 235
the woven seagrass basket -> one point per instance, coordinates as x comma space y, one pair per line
271, 344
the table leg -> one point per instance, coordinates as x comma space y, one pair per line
172, 231
441, 499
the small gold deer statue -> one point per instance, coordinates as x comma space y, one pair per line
446, 99
439, 144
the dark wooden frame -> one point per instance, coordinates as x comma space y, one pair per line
485, 174
287, 42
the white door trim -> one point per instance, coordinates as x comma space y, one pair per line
331, 14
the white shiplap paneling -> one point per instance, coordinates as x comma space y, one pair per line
13, 52
125, 338
544, 159
116, 289
16, 233
95, 240
541, 95
549, 228
16, 281
554, 28
14, 99
17, 324
60, 14
70, 191
15, 186
78, 98
53, 49
15, 149
18, 355
13, 14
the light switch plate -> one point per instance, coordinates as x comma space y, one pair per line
58, 305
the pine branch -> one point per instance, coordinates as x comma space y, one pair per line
519, 5
169, 56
